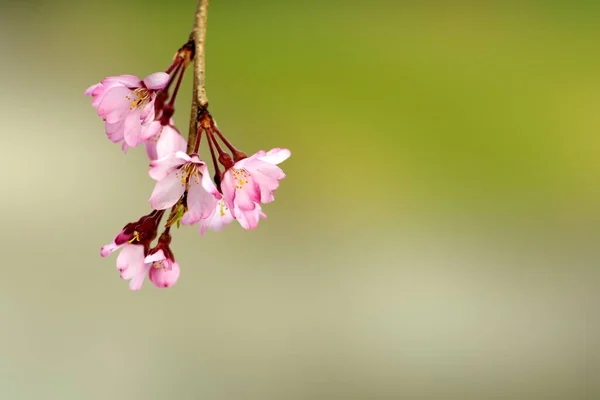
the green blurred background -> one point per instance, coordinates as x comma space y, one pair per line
436, 236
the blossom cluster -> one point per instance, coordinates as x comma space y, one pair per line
140, 112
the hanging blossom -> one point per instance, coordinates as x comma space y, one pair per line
164, 270
137, 111
140, 111
137, 259
126, 103
181, 173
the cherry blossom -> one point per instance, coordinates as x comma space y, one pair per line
164, 270
126, 103
180, 173
253, 180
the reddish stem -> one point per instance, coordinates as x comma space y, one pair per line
210, 139
181, 72
198, 140
176, 62
230, 146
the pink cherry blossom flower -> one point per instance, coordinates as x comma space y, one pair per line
132, 266
164, 270
253, 180
178, 173
126, 103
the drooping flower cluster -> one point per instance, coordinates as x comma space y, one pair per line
137, 111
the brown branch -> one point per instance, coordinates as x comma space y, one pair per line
199, 99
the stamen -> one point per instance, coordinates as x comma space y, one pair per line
222, 207
136, 237
142, 97
240, 176
189, 170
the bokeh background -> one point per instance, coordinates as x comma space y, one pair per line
436, 236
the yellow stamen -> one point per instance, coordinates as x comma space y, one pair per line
240, 176
136, 237
142, 97
189, 170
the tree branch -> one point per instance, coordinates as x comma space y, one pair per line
199, 99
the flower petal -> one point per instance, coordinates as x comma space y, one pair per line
228, 189
160, 168
170, 142
200, 203
167, 191
136, 281
152, 129
133, 128
276, 156
108, 249
248, 219
115, 132
131, 264
157, 80
90, 90
159, 255
221, 217
151, 149
130, 81
115, 104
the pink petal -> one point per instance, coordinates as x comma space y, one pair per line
100, 90
276, 156
228, 189
90, 90
270, 170
115, 105
200, 203
159, 255
130, 81
133, 128
147, 112
167, 191
170, 142
108, 249
221, 217
248, 219
208, 184
115, 132
157, 80
136, 281
131, 264
246, 198
151, 149
267, 186
152, 129
185, 157
160, 168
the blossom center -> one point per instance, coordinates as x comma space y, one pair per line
188, 171
139, 98
162, 264
241, 177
